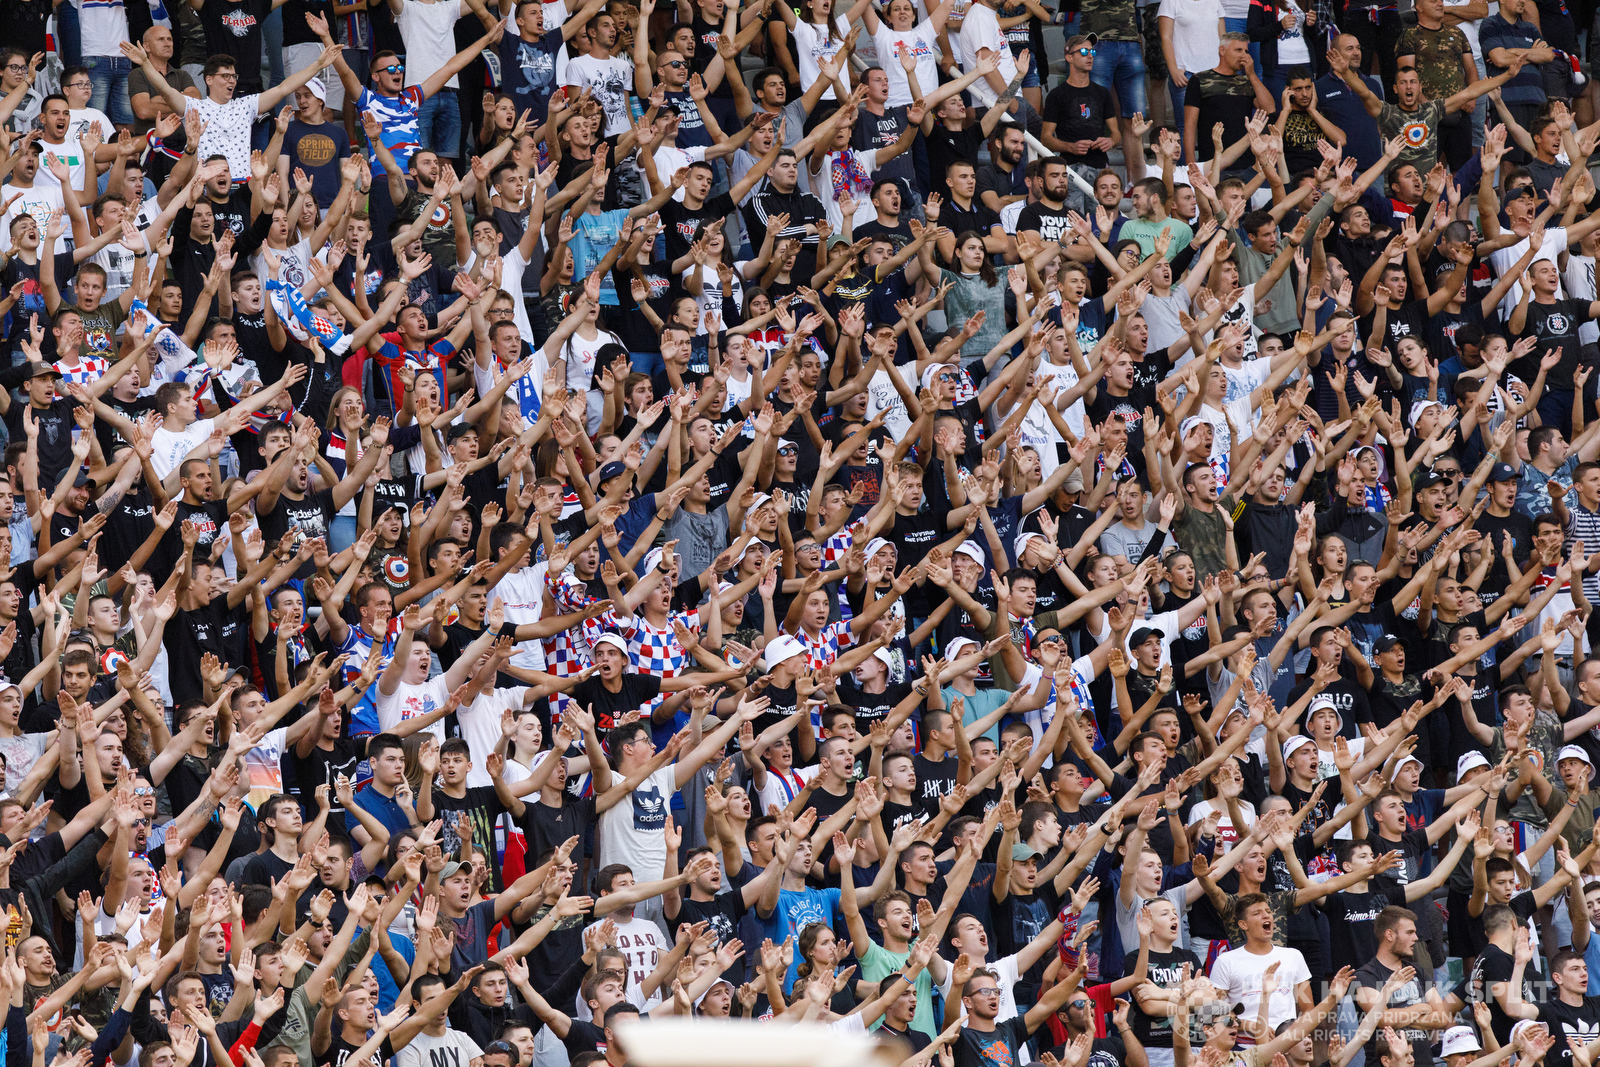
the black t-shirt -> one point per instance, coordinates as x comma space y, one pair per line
583, 1037
1570, 1020
637, 689
55, 436
1555, 326
978, 218
1373, 975
946, 146
1049, 221
1350, 920
189, 636
992, 1048
1079, 114
1165, 969
934, 780
1350, 699
312, 515
338, 1053
871, 707
545, 827
232, 27
1493, 966
324, 765
483, 806
682, 223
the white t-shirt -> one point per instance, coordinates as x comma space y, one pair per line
644, 944
168, 447
1580, 284
670, 159
711, 297
410, 701
104, 23
1238, 974
980, 30
1244, 417
429, 31
228, 131
812, 44
1226, 831
609, 81
1006, 971
70, 153
1194, 31
777, 790
39, 201
80, 119
1502, 260
264, 765
634, 832
921, 41
883, 396
1470, 29
480, 727
453, 1049
521, 593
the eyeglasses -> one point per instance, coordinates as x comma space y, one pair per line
1086, 51
227, 75
393, 68
75, 85
987, 991
17, 68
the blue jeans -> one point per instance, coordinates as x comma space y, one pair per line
439, 124
342, 532
272, 42
1119, 66
1177, 96
108, 77
1239, 26
69, 35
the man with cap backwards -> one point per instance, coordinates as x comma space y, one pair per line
314, 145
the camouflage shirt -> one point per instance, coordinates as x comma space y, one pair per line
1113, 20
1420, 128
1438, 57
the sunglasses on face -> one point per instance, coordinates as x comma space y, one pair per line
674, 63
1086, 51
393, 68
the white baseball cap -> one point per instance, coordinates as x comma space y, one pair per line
1419, 407
882, 656
874, 546
1574, 752
953, 649
1459, 1040
1294, 743
317, 89
784, 648
1021, 543
1468, 761
970, 549
1320, 703
614, 640
1408, 759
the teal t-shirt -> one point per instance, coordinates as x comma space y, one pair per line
879, 963
978, 705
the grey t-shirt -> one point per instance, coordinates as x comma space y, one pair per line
701, 538
1118, 540
1161, 316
